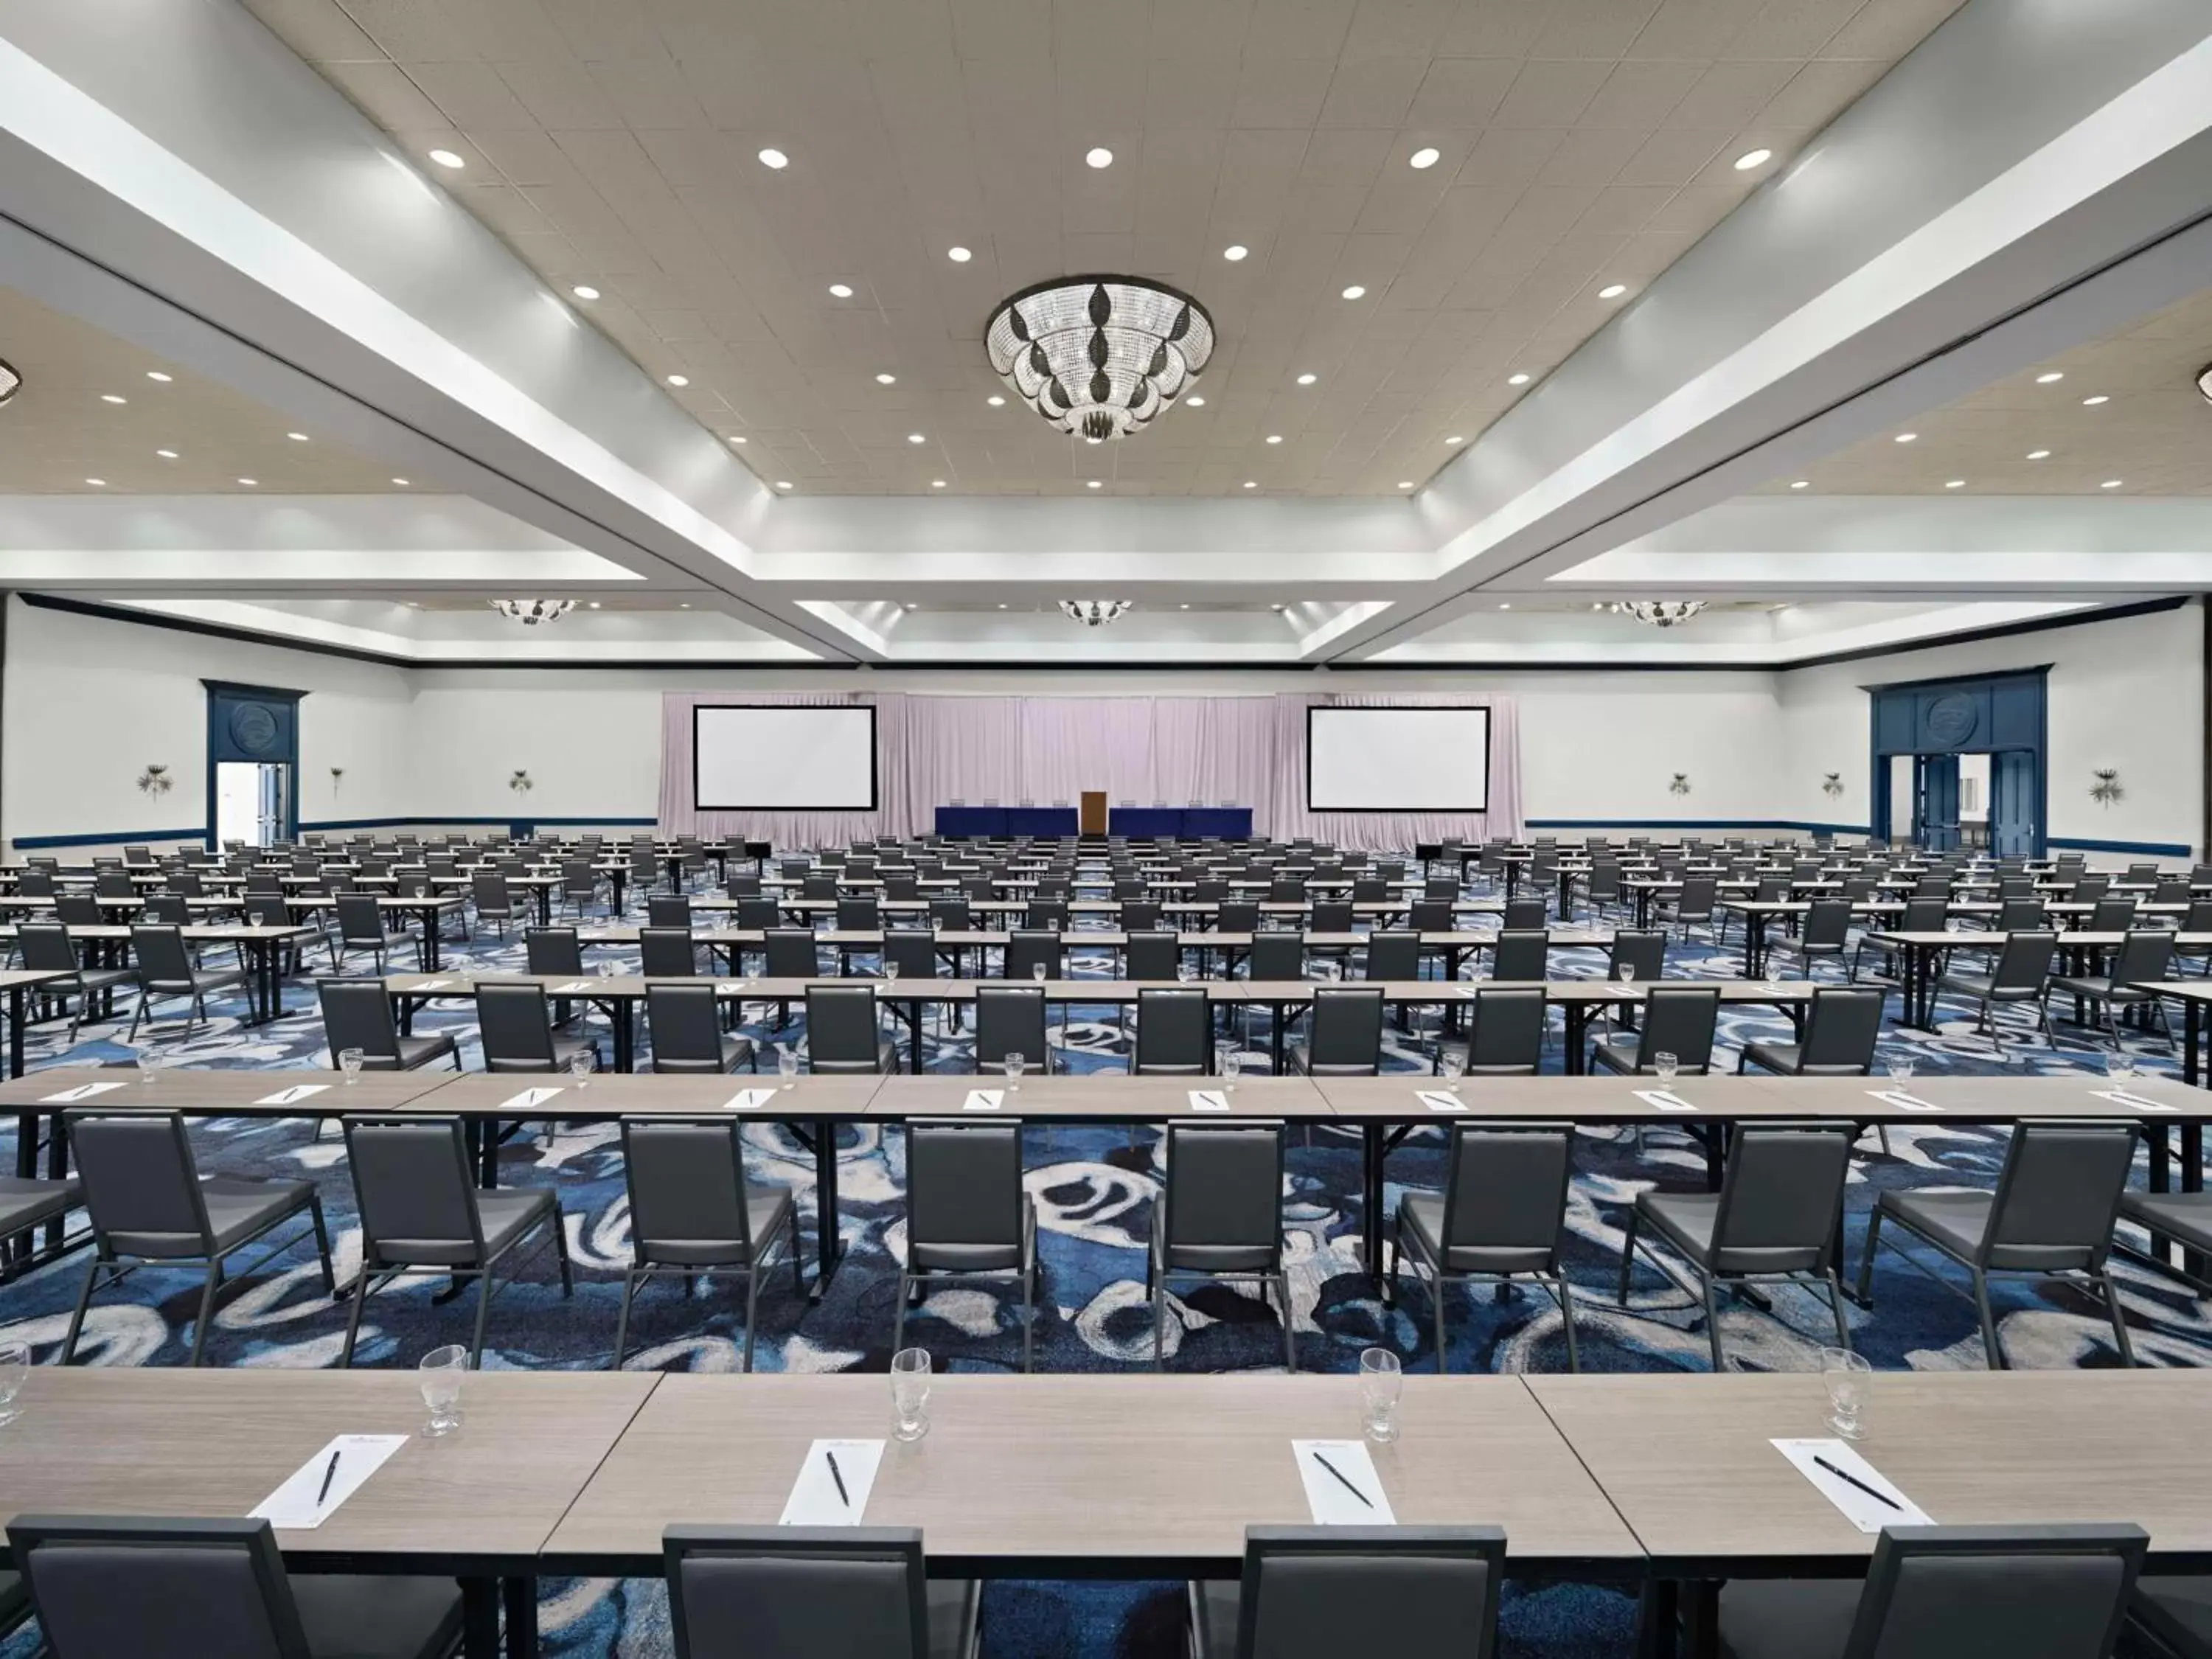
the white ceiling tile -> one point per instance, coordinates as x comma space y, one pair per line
473, 95
1299, 29
1372, 92
387, 95
412, 31
1887, 29
1698, 30
1674, 155
1547, 93
1640, 95
1281, 93
318, 30
1730, 96
646, 92
1461, 93
1821, 91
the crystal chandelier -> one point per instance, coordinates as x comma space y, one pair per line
1660, 613
11, 381
1094, 613
1099, 355
531, 612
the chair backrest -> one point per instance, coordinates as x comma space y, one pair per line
553, 951
790, 953
1924, 915
1277, 955
110, 1587
1394, 954
1347, 1037
2145, 955
1225, 1189
2199, 917
159, 950
912, 952
47, 947
1330, 915
112, 884
1679, 1020
356, 1014
952, 913
2113, 916
2025, 961
1827, 923
797, 1592
416, 1190
1696, 903
141, 1183
843, 1034
1522, 954
667, 952
1506, 1036
963, 1188
35, 881
1841, 1033
488, 888
758, 913
687, 1186
1009, 1020
1026, 948
1172, 1031
1237, 915
2016, 915
685, 1026
1313, 1592
1505, 1196
2089, 889
859, 914
515, 1026
2058, 1195
2029, 1592
1524, 913
1644, 952
1781, 1197
1153, 954
1139, 914
668, 910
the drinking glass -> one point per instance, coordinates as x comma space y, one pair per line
1012, 1066
440, 1372
349, 1062
1381, 1383
1036, 972
1664, 1066
15, 1371
606, 968
150, 1064
1900, 1070
1185, 972
1626, 973
1845, 1375
420, 891
787, 1062
910, 1393
1232, 1062
579, 1066
2120, 1067
254, 917
1449, 1066
891, 973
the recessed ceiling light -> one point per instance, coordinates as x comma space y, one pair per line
775, 158
783, 484
2091, 403
1612, 290
1274, 437
1002, 607
2039, 455
1195, 403
2055, 375
1455, 439
249, 482
739, 438
445, 158
1801, 484
936, 484
1100, 157
1426, 156
1907, 437
916, 438
1504, 604
1235, 252
680, 379
839, 290
1516, 380
401, 483
156, 374
593, 603
886, 380
1954, 484
1251, 483
585, 291
1090, 483
959, 256
1355, 292
97, 483
995, 401
1274, 607
1182, 607
2111, 483
297, 437
1753, 158
167, 454
111, 398
1404, 483
1308, 379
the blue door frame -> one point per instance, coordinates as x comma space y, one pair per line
1935, 721
258, 723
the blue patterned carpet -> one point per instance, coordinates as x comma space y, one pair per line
1093, 1190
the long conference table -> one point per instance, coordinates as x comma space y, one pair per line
1664, 1484
1174, 822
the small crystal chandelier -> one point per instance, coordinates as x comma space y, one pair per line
1659, 613
1099, 355
531, 612
1094, 613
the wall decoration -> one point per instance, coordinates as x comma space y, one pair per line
520, 783
155, 779
1832, 784
2107, 791
1680, 784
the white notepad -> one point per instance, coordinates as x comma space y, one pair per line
360, 1456
1436, 1101
574, 987
1866, 1512
432, 984
83, 1091
729, 987
749, 1100
1904, 1102
529, 1099
297, 1091
815, 1500
2133, 1103
1332, 1504
1661, 1100
1208, 1100
982, 1100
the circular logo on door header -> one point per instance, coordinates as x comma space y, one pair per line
253, 727
1952, 720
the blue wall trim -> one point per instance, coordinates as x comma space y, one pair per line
2163, 848
197, 832
1699, 824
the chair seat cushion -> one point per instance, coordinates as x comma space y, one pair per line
1685, 1219
1615, 1055
380, 1616
25, 1202
215, 978
101, 979
1954, 1221
767, 1209
237, 1208
1787, 1618
1973, 985
415, 1051
2097, 988
1222, 1258
1783, 1057
1421, 1220
504, 1214
963, 1258
1302, 1060
2184, 1216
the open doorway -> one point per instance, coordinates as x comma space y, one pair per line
1960, 762
250, 800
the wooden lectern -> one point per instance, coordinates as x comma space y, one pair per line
1092, 818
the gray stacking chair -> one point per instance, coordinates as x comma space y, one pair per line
1505, 1031
580, 885
1219, 1216
165, 968
553, 951
28, 1201
357, 1014
1826, 933
1776, 1218
360, 927
1691, 905
1173, 1031
128, 1586
691, 1209
1502, 1215
150, 1204
1644, 952
421, 1211
1153, 954
812, 1592
2022, 973
859, 915
1010, 1020
685, 1024
1277, 954
1345, 1038
47, 948
1026, 947
2113, 916
2022, 915
493, 899
1315, 1593
514, 1025
668, 910
1522, 956
1139, 915
1523, 916
667, 953
2051, 1217
2025, 1592
1678, 1020
844, 1033
2145, 956
1839, 1036
1393, 954
968, 1214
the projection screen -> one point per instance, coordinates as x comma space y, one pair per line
782, 757
1397, 760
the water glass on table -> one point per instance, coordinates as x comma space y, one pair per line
1382, 1380
1012, 1066
15, 1371
2120, 1067
787, 1062
910, 1393
1232, 1062
441, 1371
580, 1064
1664, 1067
1846, 1374
350, 1061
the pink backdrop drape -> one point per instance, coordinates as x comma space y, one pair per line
934, 750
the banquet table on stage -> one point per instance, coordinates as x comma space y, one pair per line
1185, 822
1006, 820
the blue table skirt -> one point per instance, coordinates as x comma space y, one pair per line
1191, 822
1006, 820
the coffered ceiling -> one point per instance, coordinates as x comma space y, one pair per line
616, 146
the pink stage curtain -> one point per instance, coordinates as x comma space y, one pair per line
933, 750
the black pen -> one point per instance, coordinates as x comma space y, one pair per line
329, 1469
842, 1495
1880, 1497
1339, 1474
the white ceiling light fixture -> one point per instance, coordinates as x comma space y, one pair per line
2039, 455
886, 380
1954, 484
1753, 158
1235, 252
1308, 379
595, 605
250, 483
1355, 292
297, 437
916, 438
1099, 157
2046, 380
739, 438
995, 401
1906, 438
1195, 403
1425, 158
1404, 483
775, 159
448, 159
97, 483
1612, 290
585, 291
401, 483
1801, 484
1092, 484
1518, 380
1274, 437
167, 454
111, 398
1455, 439
2091, 403
959, 256
1660, 613
2203, 383
680, 379
156, 374
531, 612
1251, 483
936, 484
1099, 355
1094, 613
783, 484
840, 291
2111, 483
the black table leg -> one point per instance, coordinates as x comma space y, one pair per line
544, 905
826, 1247
913, 1036
17, 1010
1655, 1621
27, 1144
56, 1170
520, 1595
480, 1617
2192, 1181
1576, 1016
2192, 1026
488, 1150
1372, 1150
